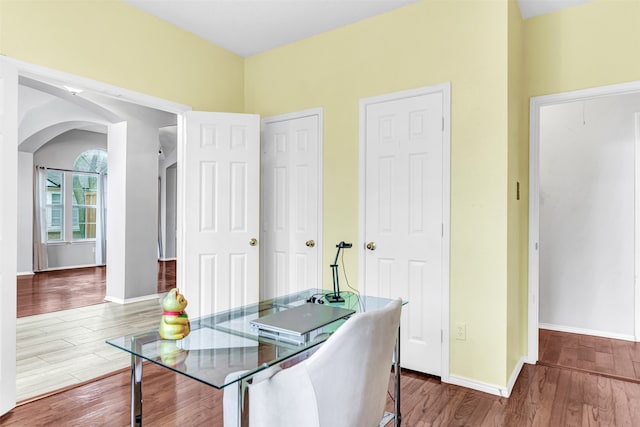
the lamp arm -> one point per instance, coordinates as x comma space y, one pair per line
337, 255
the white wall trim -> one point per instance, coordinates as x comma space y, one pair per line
319, 112
534, 230
25, 273
445, 88
8, 231
132, 300
71, 267
582, 331
167, 259
490, 388
478, 385
61, 78
536, 104
514, 375
636, 308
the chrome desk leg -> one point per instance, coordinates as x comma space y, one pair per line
398, 417
136, 391
243, 416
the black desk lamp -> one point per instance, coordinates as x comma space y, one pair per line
335, 297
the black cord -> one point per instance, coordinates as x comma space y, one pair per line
313, 298
391, 397
346, 279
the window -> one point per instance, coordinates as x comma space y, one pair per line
85, 198
85, 193
55, 206
92, 161
72, 198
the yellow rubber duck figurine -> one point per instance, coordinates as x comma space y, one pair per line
175, 322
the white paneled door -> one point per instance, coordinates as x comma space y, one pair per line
8, 236
403, 217
221, 157
291, 202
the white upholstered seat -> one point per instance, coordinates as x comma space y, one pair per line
343, 384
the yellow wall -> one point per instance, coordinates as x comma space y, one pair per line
589, 45
418, 45
112, 42
517, 209
472, 44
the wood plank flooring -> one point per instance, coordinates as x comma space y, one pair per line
563, 394
64, 321
542, 396
67, 347
613, 358
50, 291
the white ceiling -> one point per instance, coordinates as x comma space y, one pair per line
531, 8
247, 27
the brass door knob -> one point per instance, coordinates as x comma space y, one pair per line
310, 243
371, 246
253, 242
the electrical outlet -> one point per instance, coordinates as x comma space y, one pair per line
461, 331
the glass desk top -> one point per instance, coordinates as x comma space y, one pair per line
224, 348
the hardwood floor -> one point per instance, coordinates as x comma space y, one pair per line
613, 358
567, 393
63, 323
546, 396
64, 289
60, 290
542, 396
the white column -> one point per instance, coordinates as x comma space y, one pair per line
132, 211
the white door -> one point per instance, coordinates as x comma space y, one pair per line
403, 218
8, 237
291, 203
220, 212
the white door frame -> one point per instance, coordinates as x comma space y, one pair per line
62, 78
536, 104
445, 89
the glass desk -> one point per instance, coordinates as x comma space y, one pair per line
224, 349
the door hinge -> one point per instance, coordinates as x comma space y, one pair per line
442, 123
441, 335
442, 230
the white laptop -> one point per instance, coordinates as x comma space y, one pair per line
301, 320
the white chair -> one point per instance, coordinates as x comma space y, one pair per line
344, 383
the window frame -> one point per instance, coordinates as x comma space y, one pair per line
60, 206
76, 207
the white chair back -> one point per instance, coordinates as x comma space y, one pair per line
344, 384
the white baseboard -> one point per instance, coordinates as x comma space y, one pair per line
25, 273
478, 385
581, 331
514, 375
167, 259
490, 388
71, 267
131, 300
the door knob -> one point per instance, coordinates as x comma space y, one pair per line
310, 243
371, 246
253, 242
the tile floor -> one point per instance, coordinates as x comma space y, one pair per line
63, 348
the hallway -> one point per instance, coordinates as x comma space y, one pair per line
63, 322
